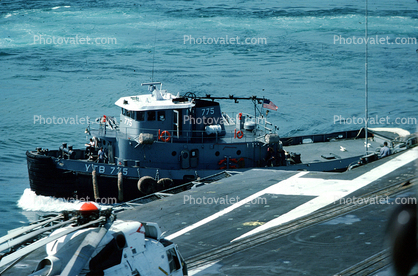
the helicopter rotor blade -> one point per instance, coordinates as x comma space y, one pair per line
33, 234
19, 231
32, 247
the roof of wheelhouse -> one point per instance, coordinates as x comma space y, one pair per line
158, 100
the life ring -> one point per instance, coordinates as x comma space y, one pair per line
240, 134
166, 134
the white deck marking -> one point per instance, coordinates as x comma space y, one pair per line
330, 191
290, 180
326, 192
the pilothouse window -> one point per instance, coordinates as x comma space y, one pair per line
151, 116
161, 115
140, 116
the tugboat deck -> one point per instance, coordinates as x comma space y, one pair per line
334, 150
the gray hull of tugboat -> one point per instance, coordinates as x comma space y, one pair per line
50, 176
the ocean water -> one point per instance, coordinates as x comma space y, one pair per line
306, 57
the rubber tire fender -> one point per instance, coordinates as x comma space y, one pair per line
147, 185
165, 183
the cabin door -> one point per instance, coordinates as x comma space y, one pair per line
177, 122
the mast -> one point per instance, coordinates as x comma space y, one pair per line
366, 75
230, 97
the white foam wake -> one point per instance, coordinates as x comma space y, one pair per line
29, 201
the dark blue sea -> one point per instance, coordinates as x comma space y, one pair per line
70, 60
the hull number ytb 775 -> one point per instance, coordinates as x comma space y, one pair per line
106, 169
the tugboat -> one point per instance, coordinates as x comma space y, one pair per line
163, 140
89, 241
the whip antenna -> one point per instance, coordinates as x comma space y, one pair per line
153, 54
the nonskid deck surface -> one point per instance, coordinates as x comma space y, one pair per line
225, 214
334, 150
